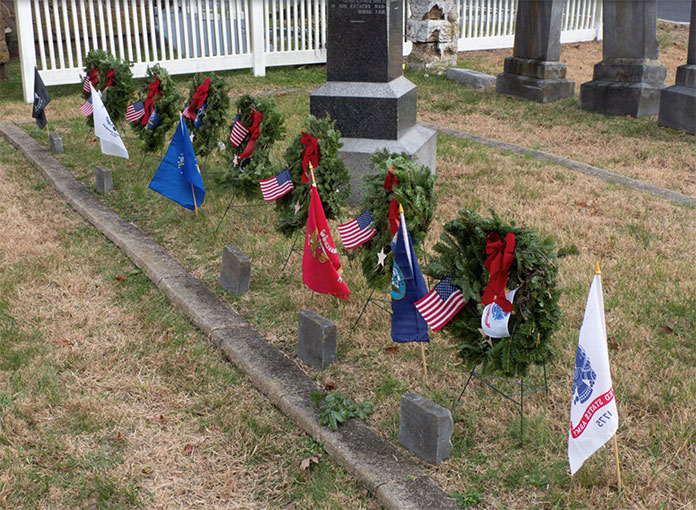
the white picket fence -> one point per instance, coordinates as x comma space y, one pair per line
188, 36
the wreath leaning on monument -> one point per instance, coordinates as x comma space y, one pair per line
114, 79
399, 179
207, 125
160, 95
461, 254
319, 145
249, 157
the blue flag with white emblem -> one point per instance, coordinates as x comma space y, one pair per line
408, 286
177, 177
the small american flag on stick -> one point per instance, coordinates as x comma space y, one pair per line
135, 111
441, 304
87, 108
359, 231
277, 186
239, 132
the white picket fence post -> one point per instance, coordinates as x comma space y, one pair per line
258, 50
25, 36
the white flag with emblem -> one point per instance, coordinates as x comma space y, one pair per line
593, 415
105, 130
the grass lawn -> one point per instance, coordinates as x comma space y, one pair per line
644, 245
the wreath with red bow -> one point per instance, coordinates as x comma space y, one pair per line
484, 256
210, 91
113, 77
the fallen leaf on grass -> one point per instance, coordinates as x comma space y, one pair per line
304, 465
181, 360
612, 344
64, 343
392, 349
163, 419
666, 330
119, 437
188, 450
329, 385
120, 278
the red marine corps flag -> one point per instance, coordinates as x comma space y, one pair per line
320, 264
593, 416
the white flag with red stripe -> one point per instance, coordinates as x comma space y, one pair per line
593, 415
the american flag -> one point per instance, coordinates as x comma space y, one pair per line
135, 111
86, 108
239, 132
441, 304
359, 231
85, 85
188, 113
277, 186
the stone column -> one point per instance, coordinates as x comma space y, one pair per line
434, 31
535, 71
373, 104
678, 102
629, 79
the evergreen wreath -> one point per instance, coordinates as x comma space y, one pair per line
461, 255
333, 178
206, 137
415, 191
116, 72
259, 165
168, 106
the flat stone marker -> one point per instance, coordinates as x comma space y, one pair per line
236, 270
425, 428
316, 339
56, 142
678, 102
105, 182
473, 79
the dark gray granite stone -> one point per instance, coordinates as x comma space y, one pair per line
534, 72
470, 78
364, 40
56, 142
236, 270
425, 428
629, 79
104, 179
316, 339
678, 103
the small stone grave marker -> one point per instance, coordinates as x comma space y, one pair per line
236, 270
56, 142
425, 428
316, 339
105, 182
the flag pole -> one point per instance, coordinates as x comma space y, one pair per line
193, 193
47, 130
311, 171
425, 366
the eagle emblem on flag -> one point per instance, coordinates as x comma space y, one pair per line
584, 377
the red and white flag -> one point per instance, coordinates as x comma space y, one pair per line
359, 231
277, 186
441, 304
135, 111
239, 132
593, 415
87, 107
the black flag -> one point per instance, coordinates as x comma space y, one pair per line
41, 99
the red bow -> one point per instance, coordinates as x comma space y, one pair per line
94, 76
310, 154
109, 79
200, 97
500, 257
153, 93
254, 131
394, 218
390, 179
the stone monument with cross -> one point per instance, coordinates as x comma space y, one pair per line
373, 104
535, 71
629, 79
678, 102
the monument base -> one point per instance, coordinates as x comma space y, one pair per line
418, 141
624, 87
534, 89
678, 108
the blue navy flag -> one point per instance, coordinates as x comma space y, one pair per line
154, 120
177, 177
198, 121
408, 286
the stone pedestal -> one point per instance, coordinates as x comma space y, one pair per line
678, 102
434, 31
104, 179
629, 79
534, 71
316, 339
425, 428
373, 104
235, 274
56, 142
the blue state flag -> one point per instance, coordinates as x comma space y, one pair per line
177, 177
408, 286
198, 121
154, 120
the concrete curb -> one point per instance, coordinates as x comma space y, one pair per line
397, 482
583, 168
